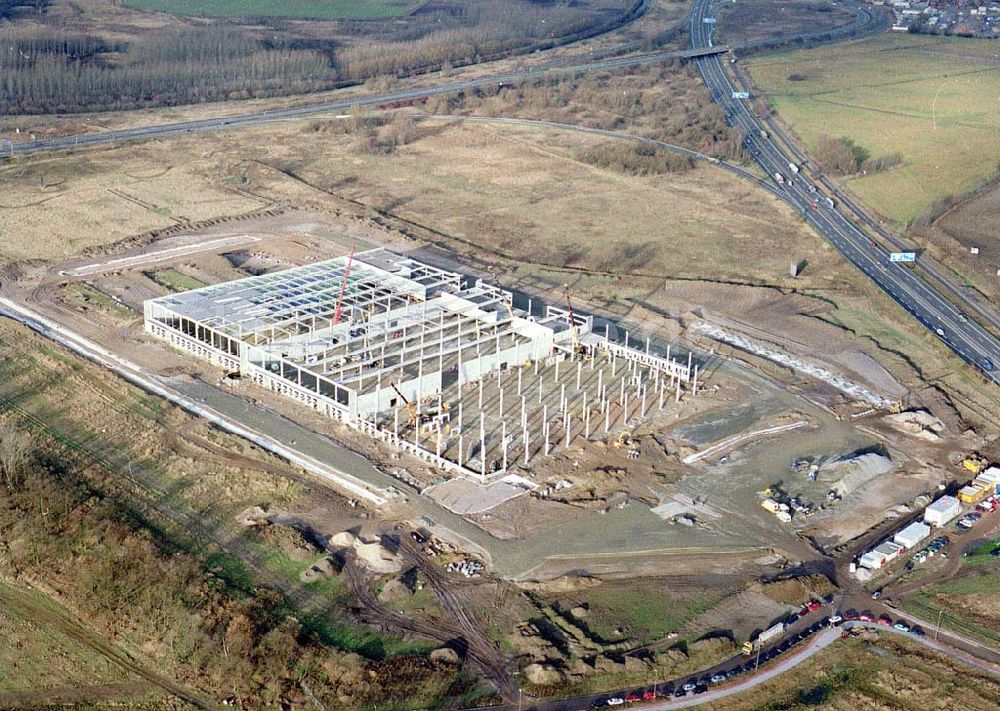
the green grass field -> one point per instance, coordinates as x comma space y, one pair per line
313, 9
934, 100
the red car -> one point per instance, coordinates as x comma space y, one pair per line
813, 606
865, 618
883, 620
632, 698
648, 695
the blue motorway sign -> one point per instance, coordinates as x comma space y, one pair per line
741, 94
902, 256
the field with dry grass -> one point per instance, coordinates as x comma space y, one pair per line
56, 206
930, 99
522, 193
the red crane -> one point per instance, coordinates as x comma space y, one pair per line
343, 288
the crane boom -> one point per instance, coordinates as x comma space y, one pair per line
343, 288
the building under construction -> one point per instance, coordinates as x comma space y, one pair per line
433, 362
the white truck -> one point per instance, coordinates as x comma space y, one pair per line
794, 168
770, 633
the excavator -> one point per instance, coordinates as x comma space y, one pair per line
418, 416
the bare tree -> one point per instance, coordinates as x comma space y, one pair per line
15, 449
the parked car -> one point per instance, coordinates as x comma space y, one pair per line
902, 626
716, 678
884, 620
834, 620
616, 701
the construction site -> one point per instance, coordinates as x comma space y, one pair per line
436, 364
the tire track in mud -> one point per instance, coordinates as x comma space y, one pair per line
28, 608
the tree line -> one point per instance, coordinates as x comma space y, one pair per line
47, 69
42, 73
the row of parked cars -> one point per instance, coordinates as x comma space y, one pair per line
699, 685
885, 620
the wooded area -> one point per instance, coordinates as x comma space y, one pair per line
51, 65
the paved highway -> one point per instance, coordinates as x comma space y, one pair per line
967, 339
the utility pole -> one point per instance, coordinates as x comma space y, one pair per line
938, 630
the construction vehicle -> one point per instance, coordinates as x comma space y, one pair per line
424, 416
625, 439
343, 289
747, 649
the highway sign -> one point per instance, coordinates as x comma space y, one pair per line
709, 20
741, 94
902, 256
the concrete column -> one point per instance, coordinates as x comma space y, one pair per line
501, 403
503, 441
519, 380
607, 416
642, 407
541, 379
557, 369
677, 398
579, 372
567, 424
647, 345
586, 418
546, 428
694, 387
625, 410
600, 384
527, 454
482, 445
562, 397
461, 448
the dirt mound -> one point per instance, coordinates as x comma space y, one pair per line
796, 591
370, 552
918, 423
324, 568
542, 675
855, 472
